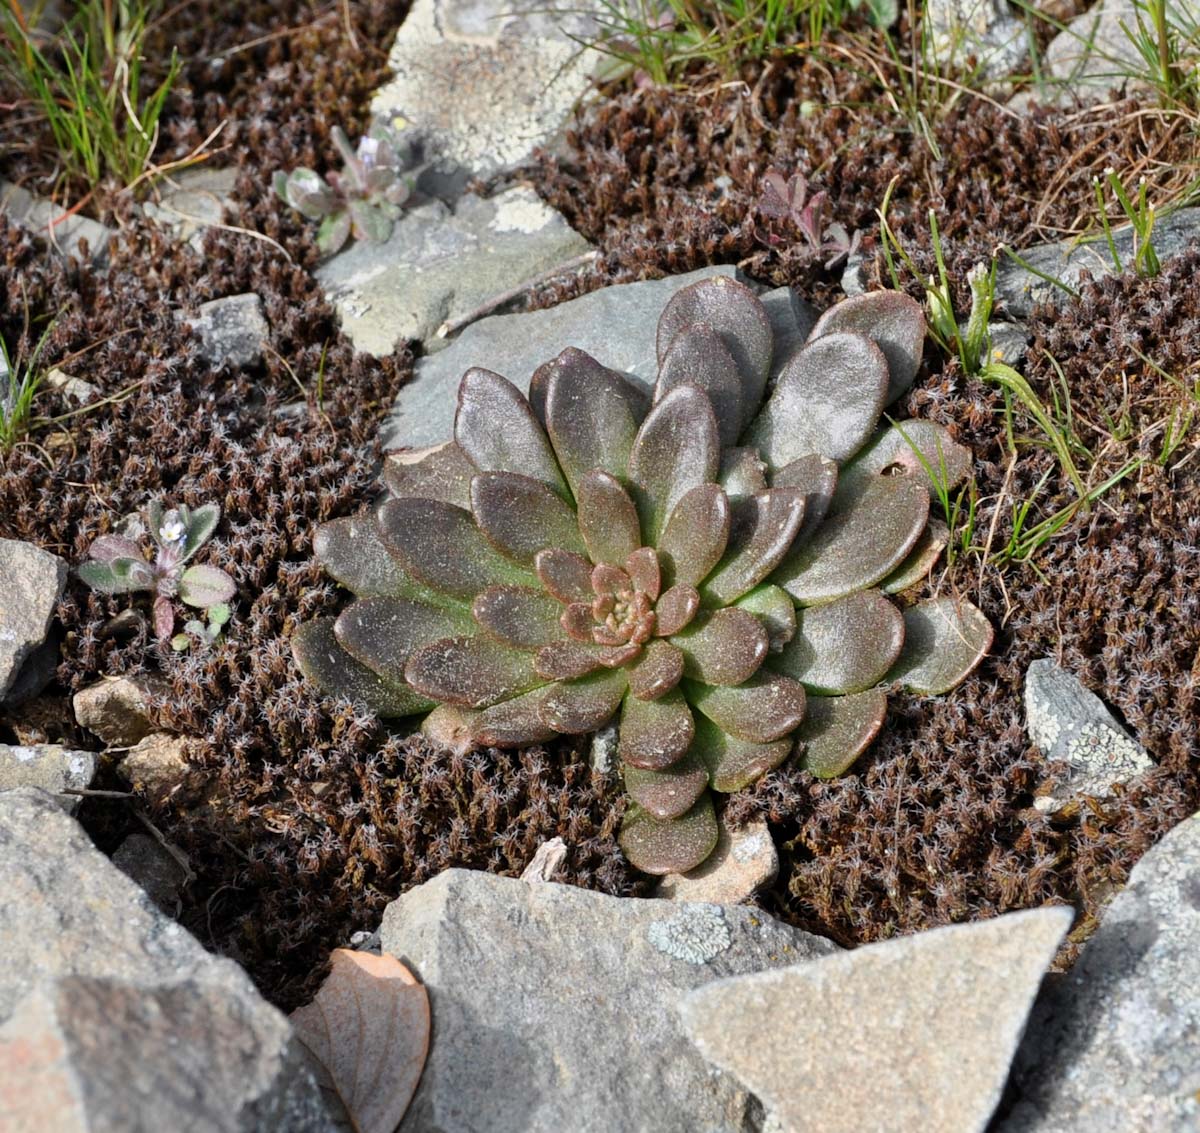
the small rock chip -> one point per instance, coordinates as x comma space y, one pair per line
50, 767
910, 1034
31, 581
1112, 1046
145, 860
1070, 724
156, 765
546, 861
744, 861
233, 331
116, 709
554, 1007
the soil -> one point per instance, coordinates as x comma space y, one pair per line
302, 819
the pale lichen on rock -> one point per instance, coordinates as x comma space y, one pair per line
696, 934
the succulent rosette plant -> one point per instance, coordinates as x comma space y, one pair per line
709, 563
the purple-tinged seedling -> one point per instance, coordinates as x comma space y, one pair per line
709, 566
119, 566
788, 199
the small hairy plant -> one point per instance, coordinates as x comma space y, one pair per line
118, 566
363, 200
711, 569
790, 200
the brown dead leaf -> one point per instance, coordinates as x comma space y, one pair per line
369, 1028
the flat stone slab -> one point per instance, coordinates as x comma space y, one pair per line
65, 232
1068, 723
233, 330
50, 767
31, 581
910, 1034
742, 862
1114, 1046
442, 263
484, 84
192, 201
1066, 260
616, 325
553, 1007
113, 1015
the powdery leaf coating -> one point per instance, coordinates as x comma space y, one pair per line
844, 646
655, 733
671, 792
575, 707
827, 401
513, 723
441, 472
608, 519
518, 615
520, 516
817, 477
914, 448
762, 529
916, 567
497, 431
564, 574
470, 671
368, 1027
944, 639
764, 709
773, 607
893, 321
838, 729
352, 551
858, 547
695, 536
698, 357
736, 314
673, 846
734, 763
676, 609
724, 647
382, 633
657, 671
742, 472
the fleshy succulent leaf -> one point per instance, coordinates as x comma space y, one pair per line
859, 547
497, 431
734, 763
669, 793
893, 321
516, 722
644, 573
324, 662
608, 519
383, 632
675, 845
575, 707
724, 647
774, 609
764, 709
676, 609
698, 357
817, 477
518, 615
738, 316
742, 473
564, 574
441, 472
351, 550
920, 559
568, 660
846, 645
440, 545
911, 448
520, 516
655, 733
471, 671
945, 638
827, 400
838, 729
676, 450
695, 536
591, 413
657, 671
762, 529
204, 586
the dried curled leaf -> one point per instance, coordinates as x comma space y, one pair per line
368, 1028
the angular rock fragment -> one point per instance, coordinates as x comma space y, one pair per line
233, 331
744, 861
31, 581
49, 767
116, 709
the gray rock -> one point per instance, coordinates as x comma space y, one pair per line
31, 582
114, 1014
1010, 342
743, 862
603, 751
1093, 54
36, 673
984, 35
1019, 289
233, 331
193, 201
482, 84
1068, 723
50, 767
145, 861
116, 709
616, 325
67, 234
553, 1006
73, 389
910, 1034
1114, 1046
157, 764
441, 264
